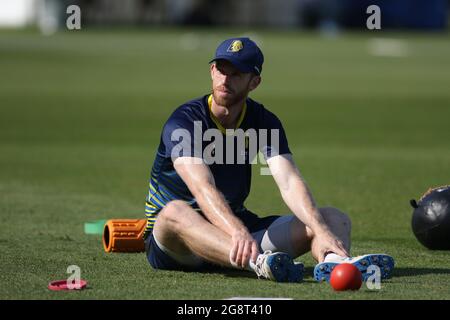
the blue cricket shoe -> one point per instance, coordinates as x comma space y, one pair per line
322, 271
279, 267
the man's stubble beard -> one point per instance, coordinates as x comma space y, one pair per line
235, 98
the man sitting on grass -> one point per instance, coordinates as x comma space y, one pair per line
201, 177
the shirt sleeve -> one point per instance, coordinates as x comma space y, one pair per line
179, 135
275, 142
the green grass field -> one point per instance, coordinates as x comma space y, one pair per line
80, 118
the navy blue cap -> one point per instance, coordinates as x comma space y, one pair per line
243, 53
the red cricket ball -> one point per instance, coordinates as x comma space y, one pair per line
346, 276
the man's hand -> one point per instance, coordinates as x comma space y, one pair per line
244, 248
326, 242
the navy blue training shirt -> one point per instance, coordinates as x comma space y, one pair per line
228, 158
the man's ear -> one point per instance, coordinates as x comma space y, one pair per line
211, 69
254, 82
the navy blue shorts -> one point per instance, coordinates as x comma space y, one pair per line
158, 259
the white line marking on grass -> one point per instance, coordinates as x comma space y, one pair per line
384, 47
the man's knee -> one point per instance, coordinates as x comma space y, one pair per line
335, 216
173, 215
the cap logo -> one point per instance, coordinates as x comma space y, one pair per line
235, 46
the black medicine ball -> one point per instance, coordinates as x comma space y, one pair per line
431, 218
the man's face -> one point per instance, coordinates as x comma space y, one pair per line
229, 84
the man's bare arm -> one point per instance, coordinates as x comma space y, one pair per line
298, 198
200, 182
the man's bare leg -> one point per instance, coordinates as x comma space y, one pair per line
184, 231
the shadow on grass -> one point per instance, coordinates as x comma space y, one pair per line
412, 272
251, 275
235, 273
239, 274
308, 273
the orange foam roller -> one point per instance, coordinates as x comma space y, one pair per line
124, 235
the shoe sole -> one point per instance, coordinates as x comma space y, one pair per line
386, 264
284, 269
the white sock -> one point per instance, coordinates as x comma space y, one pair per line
251, 265
333, 257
